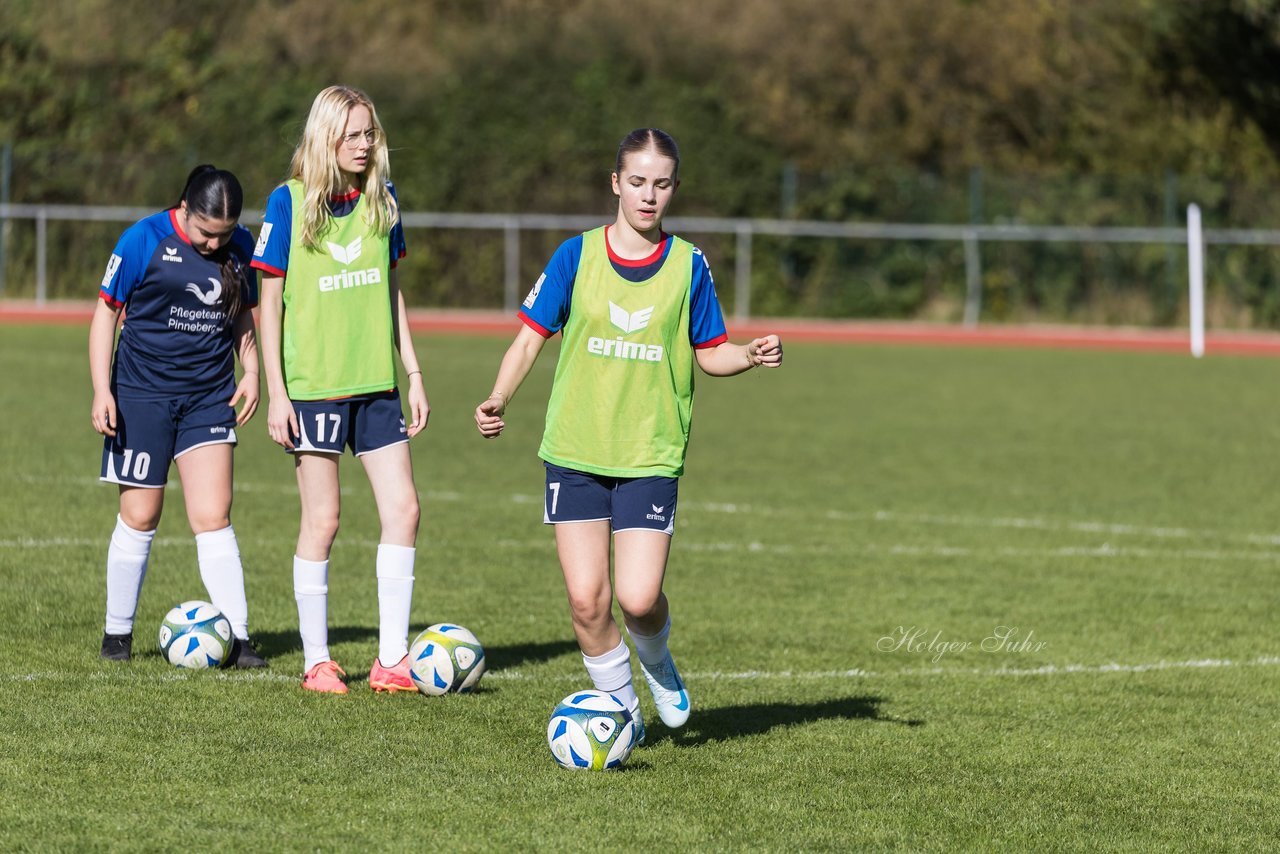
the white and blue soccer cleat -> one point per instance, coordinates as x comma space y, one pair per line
668, 692
638, 723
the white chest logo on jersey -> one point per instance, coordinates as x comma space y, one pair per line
263, 236
349, 278
617, 348
629, 323
171, 255
210, 298
345, 254
112, 266
533, 294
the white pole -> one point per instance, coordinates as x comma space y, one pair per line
1195, 261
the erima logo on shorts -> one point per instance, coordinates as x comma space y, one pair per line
171, 255
656, 515
617, 348
349, 278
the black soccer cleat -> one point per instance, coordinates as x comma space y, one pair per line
117, 647
244, 656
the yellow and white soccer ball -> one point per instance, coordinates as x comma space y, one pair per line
446, 658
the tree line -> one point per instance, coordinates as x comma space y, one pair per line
1088, 112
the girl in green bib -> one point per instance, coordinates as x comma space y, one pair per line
333, 320
637, 309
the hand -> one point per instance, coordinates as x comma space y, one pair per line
246, 393
103, 413
765, 352
419, 406
489, 417
282, 422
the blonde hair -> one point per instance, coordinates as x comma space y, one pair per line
315, 163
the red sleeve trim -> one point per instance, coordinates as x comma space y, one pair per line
266, 268
111, 301
534, 325
714, 342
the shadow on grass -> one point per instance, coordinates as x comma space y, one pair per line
277, 643
707, 725
514, 655
504, 657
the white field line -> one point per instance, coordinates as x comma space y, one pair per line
916, 520
118, 676
927, 520
1105, 551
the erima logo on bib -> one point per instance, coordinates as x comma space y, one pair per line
171, 255
349, 278
629, 323
617, 348
345, 254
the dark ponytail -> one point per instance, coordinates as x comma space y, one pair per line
216, 194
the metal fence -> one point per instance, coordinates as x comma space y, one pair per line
744, 230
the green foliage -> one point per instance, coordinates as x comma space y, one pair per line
1073, 113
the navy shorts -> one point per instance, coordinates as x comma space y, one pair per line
364, 423
629, 503
151, 432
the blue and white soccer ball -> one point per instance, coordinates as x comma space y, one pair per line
195, 635
446, 658
591, 730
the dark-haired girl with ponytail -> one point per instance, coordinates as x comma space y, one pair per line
183, 280
636, 309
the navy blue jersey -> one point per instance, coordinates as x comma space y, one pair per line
546, 308
176, 337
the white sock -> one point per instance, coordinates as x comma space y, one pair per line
611, 673
311, 591
126, 567
651, 649
223, 576
395, 597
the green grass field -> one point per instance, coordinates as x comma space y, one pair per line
854, 530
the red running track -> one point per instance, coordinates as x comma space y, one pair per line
836, 331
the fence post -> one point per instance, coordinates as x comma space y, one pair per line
42, 253
972, 256
511, 265
6, 171
1195, 263
972, 278
742, 274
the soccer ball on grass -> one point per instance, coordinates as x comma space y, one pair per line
195, 635
446, 658
591, 730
